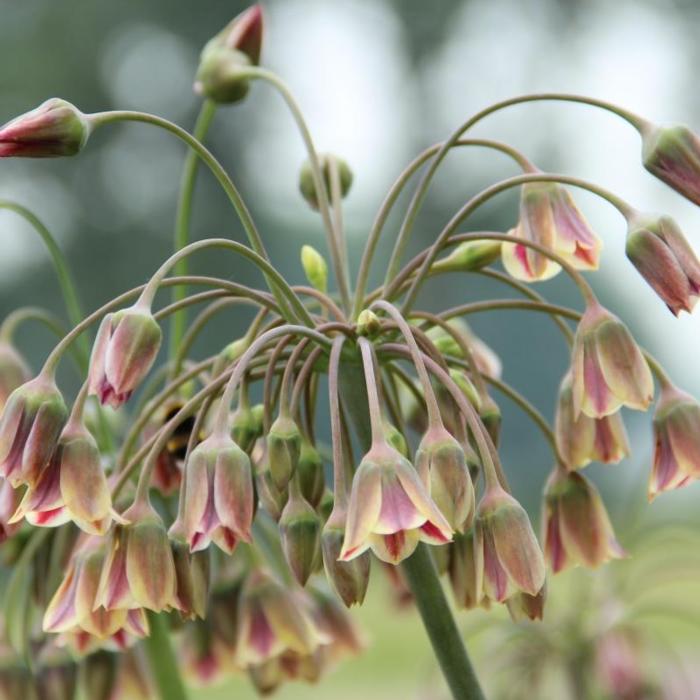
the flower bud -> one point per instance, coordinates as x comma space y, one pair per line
390, 509
677, 441
13, 371
139, 571
30, 425
229, 355
348, 578
247, 426
315, 268
512, 558
395, 438
469, 256
608, 368
464, 383
486, 360
548, 216
368, 324
54, 128
490, 415
218, 498
236, 47
311, 475
663, 257
125, 348
584, 439
191, 575
672, 153
465, 569
283, 450
307, 186
441, 463
576, 527
300, 532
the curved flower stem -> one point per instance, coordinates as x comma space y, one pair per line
419, 568
499, 304
304, 375
487, 194
393, 194
337, 254
422, 189
29, 313
100, 118
340, 486
183, 219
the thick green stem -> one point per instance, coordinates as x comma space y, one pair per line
162, 660
419, 568
182, 221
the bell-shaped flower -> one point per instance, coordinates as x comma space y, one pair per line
390, 509
125, 348
677, 441
139, 571
218, 499
54, 128
658, 249
30, 425
506, 548
441, 463
672, 153
584, 439
73, 486
575, 526
13, 371
607, 367
465, 568
549, 217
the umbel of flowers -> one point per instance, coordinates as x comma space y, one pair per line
207, 512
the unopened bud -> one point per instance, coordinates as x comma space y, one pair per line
312, 480
395, 438
368, 324
229, 355
300, 531
315, 268
247, 426
469, 256
465, 570
307, 185
466, 386
283, 450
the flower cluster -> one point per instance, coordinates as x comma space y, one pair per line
207, 513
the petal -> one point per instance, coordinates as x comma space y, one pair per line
363, 510
395, 547
233, 492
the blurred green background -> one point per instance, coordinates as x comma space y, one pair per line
378, 81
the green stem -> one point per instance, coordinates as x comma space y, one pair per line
419, 568
29, 313
183, 218
162, 660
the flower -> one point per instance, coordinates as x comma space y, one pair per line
307, 184
672, 153
584, 439
125, 348
139, 570
658, 249
73, 486
315, 268
608, 369
54, 128
576, 529
442, 465
30, 425
677, 440
218, 498
390, 509
13, 371
509, 559
549, 217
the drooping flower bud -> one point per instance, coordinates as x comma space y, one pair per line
390, 509
677, 440
368, 324
608, 368
191, 575
139, 571
315, 268
73, 486
235, 47
395, 438
441, 463
663, 257
300, 532
584, 439
229, 354
312, 481
575, 525
466, 569
512, 558
125, 348
30, 425
247, 426
283, 450
548, 216
469, 256
218, 499
54, 128
465, 385
13, 371
348, 578
307, 186
672, 153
